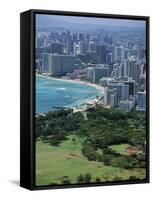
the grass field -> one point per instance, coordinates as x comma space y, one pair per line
120, 148
52, 163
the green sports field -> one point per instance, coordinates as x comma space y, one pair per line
120, 148
55, 162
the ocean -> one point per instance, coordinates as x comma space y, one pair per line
52, 93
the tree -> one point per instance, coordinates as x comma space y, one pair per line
99, 157
65, 180
73, 140
87, 177
107, 150
107, 159
55, 140
40, 125
89, 152
80, 178
98, 179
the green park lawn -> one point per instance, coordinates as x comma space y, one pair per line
120, 148
54, 162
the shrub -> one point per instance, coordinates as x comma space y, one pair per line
117, 178
119, 162
87, 177
73, 139
65, 180
107, 159
132, 178
99, 157
89, 152
84, 178
98, 179
55, 141
80, 179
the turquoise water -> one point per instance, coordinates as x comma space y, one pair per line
52, 93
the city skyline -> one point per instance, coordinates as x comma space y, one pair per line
119, 57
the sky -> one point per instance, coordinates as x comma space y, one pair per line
56, 20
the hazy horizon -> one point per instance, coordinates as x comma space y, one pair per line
51, 21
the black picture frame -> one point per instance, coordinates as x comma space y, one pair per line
27, 97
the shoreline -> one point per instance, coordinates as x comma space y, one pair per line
84, 104
98, 87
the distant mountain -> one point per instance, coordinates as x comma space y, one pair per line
85, 24
59, 24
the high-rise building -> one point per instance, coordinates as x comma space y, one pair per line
57, 48
90, 57
90, 74
125, 92
141, 101
119, 53
81, 37
122, 90
137, 72
40, 41
54, 47
87, 36
65, 37
75, 49
128, 81
48, 49
75, 37
143, 82
82, 47
113, 100
108, 39
60, 65
118, 71
131, 65
125, 69
70, 48
142, 53
38, 65
134, 69
105, 81
95, 73
39, 52
45, 63
101, 53
109, 58
132, 52
110, 67
108, 96
92, 46
100, 72
125, 105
